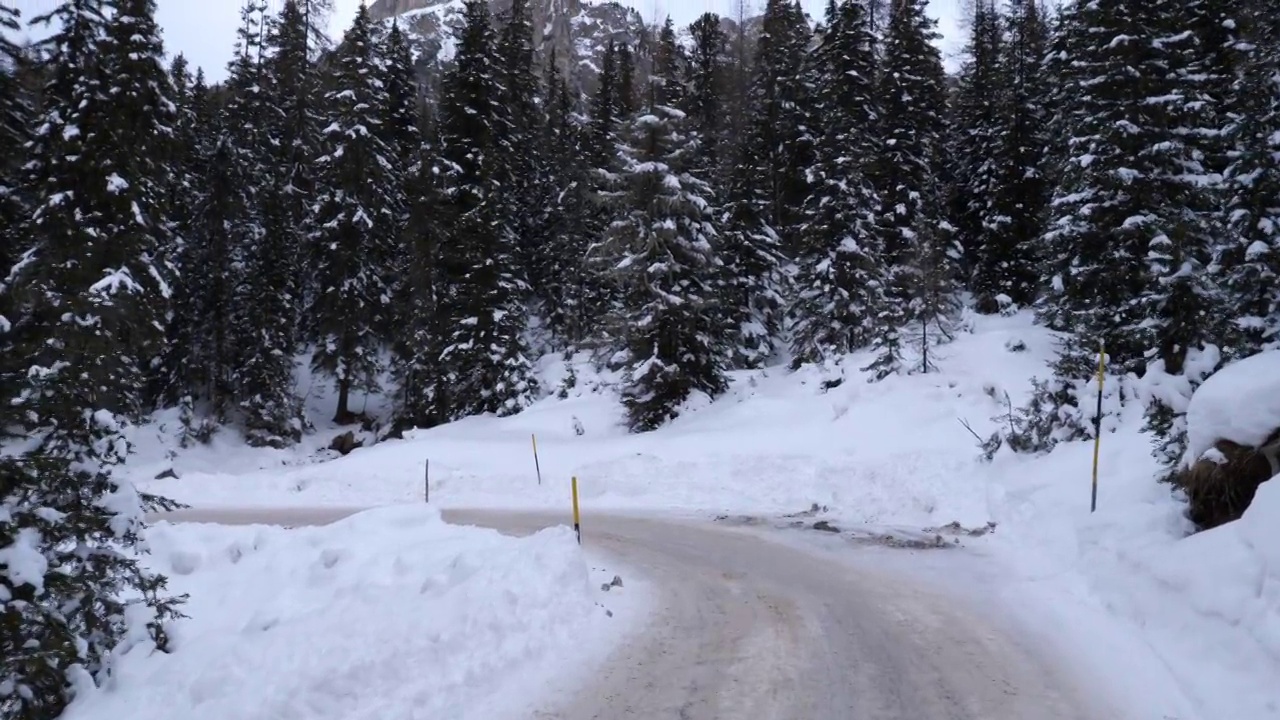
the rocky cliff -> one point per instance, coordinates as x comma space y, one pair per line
578, 30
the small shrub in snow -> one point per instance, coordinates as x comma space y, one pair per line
1015, 345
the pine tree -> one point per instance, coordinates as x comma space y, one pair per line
91, 291
518, 134
1006, 261
780, 140
661, 249
916, 242
841, 280
216, 207
292, 94
767, 188
1250, 259
485, 363
979, 128
571, 221
15, 119
355, 221
706, 98
669, 62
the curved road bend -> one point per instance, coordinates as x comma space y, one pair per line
748, 629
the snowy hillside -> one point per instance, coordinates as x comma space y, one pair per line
890, 457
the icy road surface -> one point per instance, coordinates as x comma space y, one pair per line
748, 629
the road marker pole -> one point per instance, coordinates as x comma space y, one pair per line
536, 465
1097, 424
426, 481
577, 520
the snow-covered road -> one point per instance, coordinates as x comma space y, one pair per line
747, 628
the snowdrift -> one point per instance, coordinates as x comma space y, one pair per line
387, 610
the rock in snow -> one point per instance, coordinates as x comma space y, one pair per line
1239, 403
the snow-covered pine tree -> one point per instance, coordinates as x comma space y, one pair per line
485, 361
669, 63
417, 343
625, 95
401, 131
293, 97
571, 222
1186, 116
522, 178
840, 286
979, 126
705, 101
661, 249
780, 139
918, 250
354, 221
90, 294
766, 187
15, 120
1249, 260
1006, 262
137, 211
1131, 228
204, 338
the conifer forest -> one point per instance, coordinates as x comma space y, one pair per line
717, 197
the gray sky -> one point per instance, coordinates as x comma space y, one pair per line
205, 29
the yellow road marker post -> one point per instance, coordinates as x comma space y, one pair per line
577, 520
1097, 424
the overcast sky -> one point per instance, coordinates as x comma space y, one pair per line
205, 29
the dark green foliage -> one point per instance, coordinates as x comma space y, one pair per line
90, 297
355, 221
484, 362
660, 250
842, 281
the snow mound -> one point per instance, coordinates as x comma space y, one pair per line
1211, 606
1239, 403
390, 612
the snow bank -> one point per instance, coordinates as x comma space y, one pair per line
1239, 403
389, 613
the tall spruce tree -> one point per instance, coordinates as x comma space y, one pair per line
293, 97
768, 186
354, 221
485, 363
661, 249
1005, 262
15, 119
204, 336
915, 240
841, 280
16, 115
1249, 260
518, 134
571, 222
90, 292
979, 125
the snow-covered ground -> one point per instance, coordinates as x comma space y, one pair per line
390, 609
1175, 627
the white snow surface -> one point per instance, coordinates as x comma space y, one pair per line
390, 613
1239, 403
1164, 625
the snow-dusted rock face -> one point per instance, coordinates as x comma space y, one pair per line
578, 30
